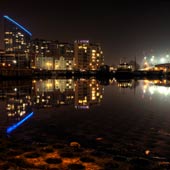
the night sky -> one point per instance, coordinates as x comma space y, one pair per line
124, 29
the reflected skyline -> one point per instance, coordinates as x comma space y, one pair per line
21, 97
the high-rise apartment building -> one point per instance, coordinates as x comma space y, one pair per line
16, 37
87, 56
96, 57
16, 41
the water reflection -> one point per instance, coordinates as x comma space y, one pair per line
87, 92
161, 87
93, 114
22, 96
16, 125
15, 99
51, 93
18, 104
81, 93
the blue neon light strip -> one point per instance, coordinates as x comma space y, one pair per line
20, 26
13, 127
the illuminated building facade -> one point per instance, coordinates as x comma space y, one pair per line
43, 54
124, 67
64, 60
162, 67
87, 56
16, 42
87, 93
96, 57
51, 55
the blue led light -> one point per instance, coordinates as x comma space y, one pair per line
13, 127
20, 26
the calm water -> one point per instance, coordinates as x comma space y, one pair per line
85, 124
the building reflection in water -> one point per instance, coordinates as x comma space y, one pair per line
124, 83
20, 98
50, 93
17, 96
87, 92
82, 93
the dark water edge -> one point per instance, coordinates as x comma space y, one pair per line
14, 74
69, 141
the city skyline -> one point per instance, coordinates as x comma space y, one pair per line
20, 51
124, 29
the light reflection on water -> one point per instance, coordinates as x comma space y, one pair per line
129, 118
161, 87
21, 97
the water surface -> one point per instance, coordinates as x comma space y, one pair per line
85, 124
